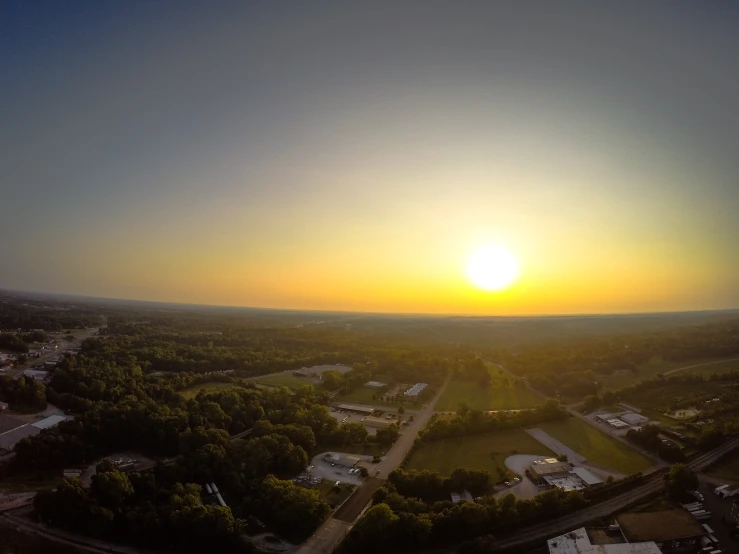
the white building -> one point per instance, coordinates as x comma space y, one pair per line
578, 542
374, 384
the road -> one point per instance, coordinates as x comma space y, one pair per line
332, 532
679, 369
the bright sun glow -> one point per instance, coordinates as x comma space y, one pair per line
492, 268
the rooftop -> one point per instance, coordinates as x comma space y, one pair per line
578, 542
664, 525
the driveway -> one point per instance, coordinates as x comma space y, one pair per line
518, 464
555, 446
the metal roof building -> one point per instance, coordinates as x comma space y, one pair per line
416, 389
50, 421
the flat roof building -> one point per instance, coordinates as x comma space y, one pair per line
374, 384
366, 410
457, 497
50, 421
548, 468
579, 542
371, 421
634, 419
342, 460
672, 530
416, 389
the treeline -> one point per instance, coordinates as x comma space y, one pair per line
648, 438
23, 394
413, 511
473, 422
17, 315
249, 351
570, 368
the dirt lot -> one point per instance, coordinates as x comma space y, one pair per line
351, 509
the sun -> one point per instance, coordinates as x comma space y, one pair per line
492, 268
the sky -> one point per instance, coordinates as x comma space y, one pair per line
352, 156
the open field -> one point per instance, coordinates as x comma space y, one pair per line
487, 451
657, 365
491, 398
192, 392
284, 379
362, 395
727, 469
598, 448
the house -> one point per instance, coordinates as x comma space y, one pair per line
674, 531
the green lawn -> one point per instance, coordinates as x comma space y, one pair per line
658, 365
492, 398
192, 392
597, 447
487, 451
284, 379
727, 469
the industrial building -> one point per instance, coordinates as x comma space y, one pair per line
674, 531
617, 423
415, 390
363, 410
580, 541
378, 422
562, 475
548, 467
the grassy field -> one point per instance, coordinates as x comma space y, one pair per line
362, 395
333, 496
487, 451
727, 469
284, 379
492, 398
192, 392
597, 447
658, 365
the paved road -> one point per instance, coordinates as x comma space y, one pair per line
679, 369
556, 446
333, 531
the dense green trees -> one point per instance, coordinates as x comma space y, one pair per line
413, 511
648, 438
24, 394
680, 479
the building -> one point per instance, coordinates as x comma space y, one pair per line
378, 422
549, 467
604, 417
3, 406
580, 541
363, 410
457, 497
374, 385
674, 531
50, 421
341, 460
634, 419
36, 374
617, 423
72, 473
415, 390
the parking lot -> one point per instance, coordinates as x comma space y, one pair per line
345, 417
324, 469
